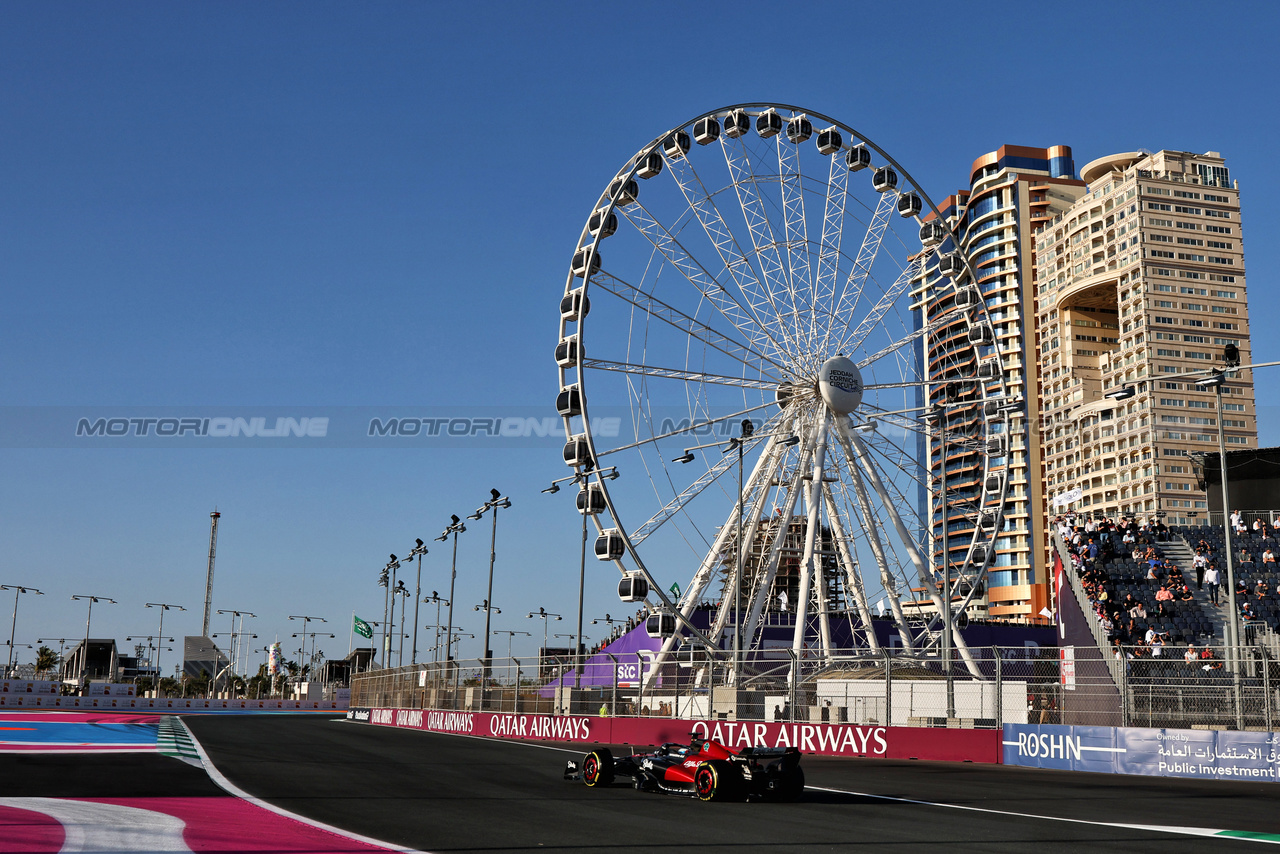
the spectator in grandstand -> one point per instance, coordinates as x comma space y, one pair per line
1245, 557
1268, 556
1185, 594
1191, 656
1210, 661
1242, 590
1164, 595
1260, 590
1211, 579
1200, 562
1236, 520
1138, 611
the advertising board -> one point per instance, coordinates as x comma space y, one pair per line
1201, 754
847, 740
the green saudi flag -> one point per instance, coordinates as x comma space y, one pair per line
362, 628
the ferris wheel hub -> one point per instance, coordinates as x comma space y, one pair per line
840, 383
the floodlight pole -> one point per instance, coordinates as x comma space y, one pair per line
164, 606
13, 628
1233, 618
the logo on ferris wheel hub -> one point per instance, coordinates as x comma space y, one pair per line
840, 382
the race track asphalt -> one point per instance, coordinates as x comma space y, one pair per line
445, 793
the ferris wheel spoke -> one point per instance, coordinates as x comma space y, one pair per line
697, 275
773, 272
678, 374
833, 216
899, 344
702, 202
847, 304
692, 491
654, 307
687, 428
799, 275
882, 307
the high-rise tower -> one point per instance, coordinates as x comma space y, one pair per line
1140, 282
1012, 192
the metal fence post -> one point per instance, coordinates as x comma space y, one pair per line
888, 688
639, 683
1124, 687
995, 651
515, 697
1266, 686
613, 701
795, 671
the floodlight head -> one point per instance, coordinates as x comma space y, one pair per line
476, 515
748, 428
418, 540
394, 558
687, 458
1216, 380
1231, 355
496, 494
455, 518
1122, 393
504, 503
552, 489
614, 475
791, 441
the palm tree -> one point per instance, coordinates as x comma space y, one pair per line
46, 660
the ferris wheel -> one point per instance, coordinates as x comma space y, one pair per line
742, 338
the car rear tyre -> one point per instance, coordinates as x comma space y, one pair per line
790, 785
718, 780
597, 767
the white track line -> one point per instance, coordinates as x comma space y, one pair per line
1183, 831
233, 789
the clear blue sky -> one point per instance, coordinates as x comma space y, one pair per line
325, 205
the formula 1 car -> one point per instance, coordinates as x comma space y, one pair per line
702, 769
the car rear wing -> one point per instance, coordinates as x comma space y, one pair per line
766, 752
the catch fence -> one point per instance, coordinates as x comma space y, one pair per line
999, 685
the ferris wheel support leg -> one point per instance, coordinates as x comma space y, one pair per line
852, 580
763, 472
823, 604
853, 446
703, 576
761, 598
877, 549
805, 593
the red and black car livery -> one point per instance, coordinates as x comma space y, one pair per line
702, 768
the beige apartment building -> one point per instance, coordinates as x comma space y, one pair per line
1138, 283
1129, 276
